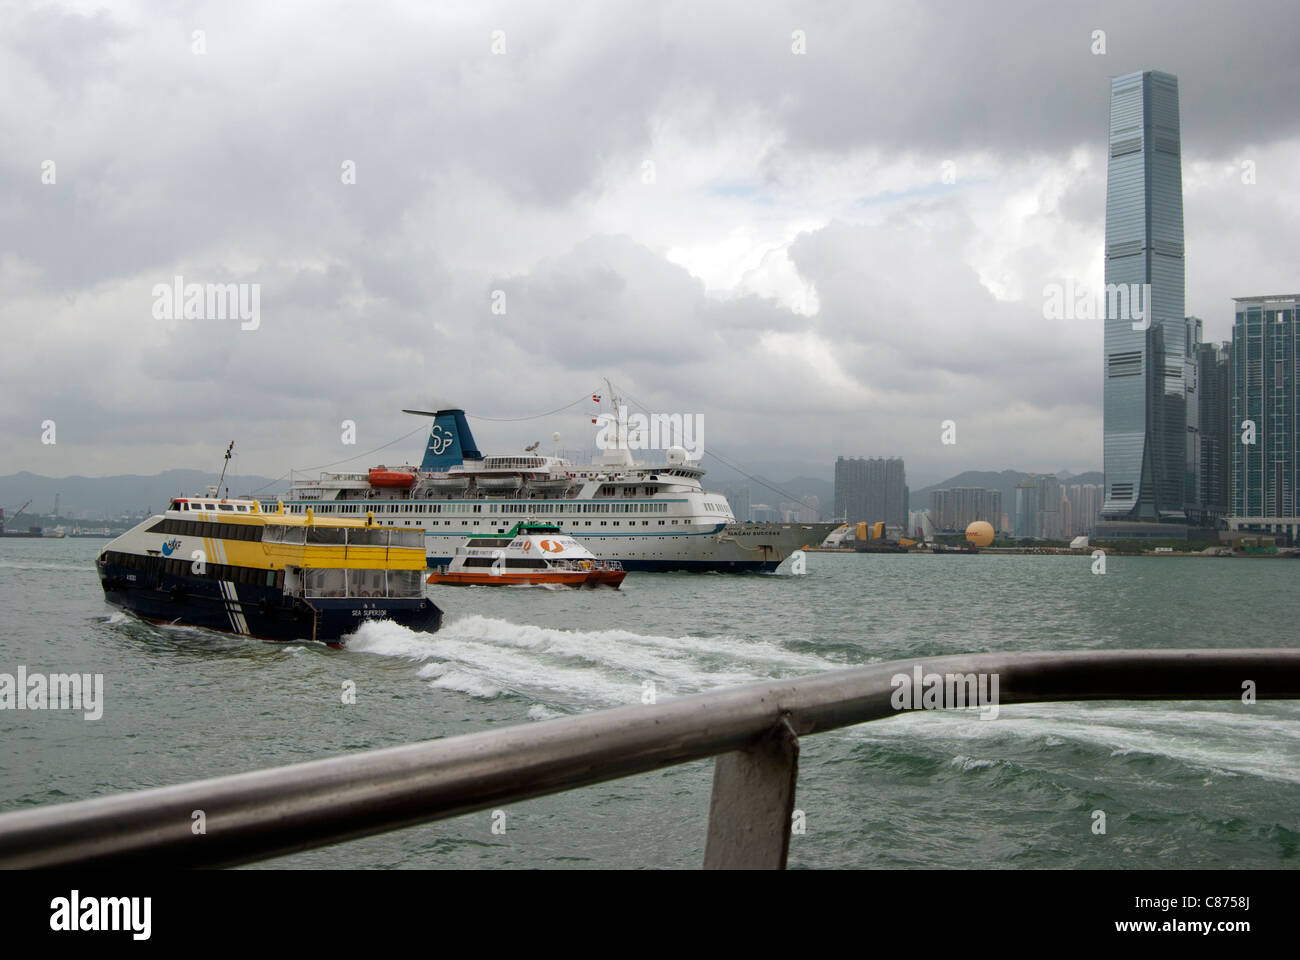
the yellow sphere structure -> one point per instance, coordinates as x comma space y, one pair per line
980, 533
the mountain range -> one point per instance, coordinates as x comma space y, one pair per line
111, 497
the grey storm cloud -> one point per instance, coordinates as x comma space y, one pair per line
226, 167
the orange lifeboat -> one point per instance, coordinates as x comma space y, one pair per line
383, 477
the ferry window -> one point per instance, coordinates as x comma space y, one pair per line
227, 506
405, 583
270, 578
329, 535
366, 583
324, 583
602, 523
368, 537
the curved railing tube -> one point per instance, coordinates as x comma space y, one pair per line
268, 813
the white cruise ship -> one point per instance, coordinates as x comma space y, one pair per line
647, 516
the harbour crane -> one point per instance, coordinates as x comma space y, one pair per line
16, 515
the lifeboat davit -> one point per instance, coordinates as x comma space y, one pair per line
382, 477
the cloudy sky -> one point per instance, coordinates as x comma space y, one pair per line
822, 252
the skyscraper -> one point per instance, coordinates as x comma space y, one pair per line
871, 490
1038, 508
1214, 399
1145, 395
1084, 500
1265, 443
1026, 521
957, 508
1192, 479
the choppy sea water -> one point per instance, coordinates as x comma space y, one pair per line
1208, 785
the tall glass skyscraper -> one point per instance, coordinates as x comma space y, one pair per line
1265, 347
1145, 443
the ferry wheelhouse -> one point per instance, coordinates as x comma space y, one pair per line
528, 553
646, 516
230, 565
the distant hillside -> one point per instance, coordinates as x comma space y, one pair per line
110, 497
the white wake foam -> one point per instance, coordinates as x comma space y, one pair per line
578, 669
1222, 739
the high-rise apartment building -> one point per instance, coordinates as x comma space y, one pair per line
1038, 508
1147, 361
1082, 508
1192, 494
739, 498
1025, 524
870, 490
1265, 438
1214, 418
957, 508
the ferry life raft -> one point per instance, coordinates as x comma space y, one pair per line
230, 566
528, 553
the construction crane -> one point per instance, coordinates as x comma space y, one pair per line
16, 515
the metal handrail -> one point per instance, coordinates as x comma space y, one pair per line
268, 813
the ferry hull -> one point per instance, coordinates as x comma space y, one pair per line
729, 548
508, 579
261, 612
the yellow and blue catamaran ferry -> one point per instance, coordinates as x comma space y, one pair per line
231, 566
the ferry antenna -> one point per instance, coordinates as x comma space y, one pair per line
225, 465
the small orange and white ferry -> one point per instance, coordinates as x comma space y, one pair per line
528, 553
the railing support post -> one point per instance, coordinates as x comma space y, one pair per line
752, 803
